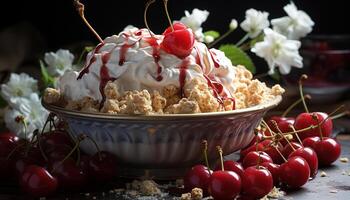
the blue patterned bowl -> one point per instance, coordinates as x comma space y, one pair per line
164, 146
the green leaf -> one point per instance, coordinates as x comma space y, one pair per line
3, 103
212, 33
47, 79
276, 76
237, 56
88, 48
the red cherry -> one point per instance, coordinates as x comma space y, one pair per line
256, 182
224, 185
37, 181
84, 164
176, 26
56, 137
283, 124
310, 156
58, 152
254, 157
295, 172
258, 138
328, 150
198, 176
305, 120
232, 166
287, 150
178, 42
311, 141
273, 153
5, 169
8, 141
103, 166
274, 170
244, 152
68, 174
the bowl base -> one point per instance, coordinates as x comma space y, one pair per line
155, 174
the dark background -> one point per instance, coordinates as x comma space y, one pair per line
60, 25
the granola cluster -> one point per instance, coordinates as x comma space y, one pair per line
198, 97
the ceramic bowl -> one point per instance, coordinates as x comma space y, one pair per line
164, 146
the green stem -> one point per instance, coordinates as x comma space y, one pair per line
205, 153
221, 38
294, 104
244, 38
304, 76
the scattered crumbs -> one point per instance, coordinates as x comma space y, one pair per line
111, 191
333, 191
119, 190
185, 196
275, 193
87, 194
323, 174
132, 193
344, 160
94, 197
103, 194
343, 172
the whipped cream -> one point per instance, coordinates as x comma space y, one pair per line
134, 61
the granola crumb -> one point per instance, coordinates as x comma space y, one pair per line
146, 187
52, 96
344, 160
196, 194
185, 196
323, 174
333, 191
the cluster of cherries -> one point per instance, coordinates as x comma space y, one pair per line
285, 152
52, 161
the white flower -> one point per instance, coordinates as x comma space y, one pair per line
233, 24
278, 51
208, 39
296, 25
195, 21
19, 86
59, 62
255, 21
33, 113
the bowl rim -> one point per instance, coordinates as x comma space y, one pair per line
66, 112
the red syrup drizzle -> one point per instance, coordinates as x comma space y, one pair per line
218, 89
85, 70
182, 76
104, 75
156, 56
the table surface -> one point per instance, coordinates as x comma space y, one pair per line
335, 185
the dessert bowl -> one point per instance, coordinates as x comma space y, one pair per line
164, 146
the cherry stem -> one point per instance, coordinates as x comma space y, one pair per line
296, 134
80, 138
145, 15
80, 8
267, 126
303, 77
205, 153
167, 14
281, 134
295, 104
228, 32
279, 152
242, 40
221, 159
96, 145
340, 115
315, 117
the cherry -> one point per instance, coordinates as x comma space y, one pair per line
56, 137
103, 166
310, 156
233, 166
255, 157
274, 170
305, 120
258, 137
295, 172
273, 153
328, 150
8, 141
288, 149
311, 141
37, 181
5, 169
224, 185
282, 123
257, 182
84, 164
68, 174
58, 152
179, 41
198, 176
244, 152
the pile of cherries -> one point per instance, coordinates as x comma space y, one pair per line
52, 161
285, 152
